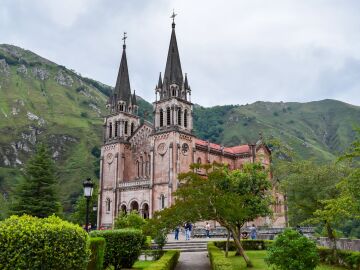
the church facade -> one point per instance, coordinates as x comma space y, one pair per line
140, 161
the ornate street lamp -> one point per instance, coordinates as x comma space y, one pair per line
88, 190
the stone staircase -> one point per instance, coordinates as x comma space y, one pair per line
187, 246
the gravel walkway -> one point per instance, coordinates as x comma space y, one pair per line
193, 260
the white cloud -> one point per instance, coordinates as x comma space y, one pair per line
233, 51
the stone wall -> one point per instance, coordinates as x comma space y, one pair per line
342, 243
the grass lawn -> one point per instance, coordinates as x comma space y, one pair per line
257, 258
142, 264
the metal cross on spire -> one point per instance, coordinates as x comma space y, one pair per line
124, 39
173, 15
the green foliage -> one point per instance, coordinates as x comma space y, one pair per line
50, 243
217, 259
292, 251
130, 220
160, 238
37, 195
79, 214
97, 247
345, 258
167, 261
229, 197
122, 246
247, 244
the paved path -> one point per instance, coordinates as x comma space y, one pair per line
193, 261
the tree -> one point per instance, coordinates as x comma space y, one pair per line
231, 198
36, 194
79, 214
131, 220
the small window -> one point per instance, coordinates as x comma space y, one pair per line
168, 116
121, 107
138, 168
161, 117
132, 128
198, 161
173, 91
116, 128
179, 116
142, 165
108, 205
185, 119
162, 201
126, 128
110, 130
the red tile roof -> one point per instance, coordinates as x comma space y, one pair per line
239, 149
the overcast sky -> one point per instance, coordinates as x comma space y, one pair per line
234, 51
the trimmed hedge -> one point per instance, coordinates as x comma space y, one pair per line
50, 243
97, 247
247, 244
123, 246
345, 258
217, 258
168, 261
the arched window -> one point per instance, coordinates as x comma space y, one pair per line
116, 128
108, 205
126, 128
123, 209
145, 210
179, 116
168, 116
149, 159
138, 168
185, 119
198, 161
162, 201
134, 206
142, 165
110, 130
173, 91
132, 128
161, 117
121, 107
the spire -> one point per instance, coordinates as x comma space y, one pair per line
133, 99
173, 72
122, 88
186, 84
160, 84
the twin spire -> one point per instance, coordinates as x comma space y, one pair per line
123, 100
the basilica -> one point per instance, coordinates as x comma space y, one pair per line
140, 161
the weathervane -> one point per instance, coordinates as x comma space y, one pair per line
124, 38
173, 16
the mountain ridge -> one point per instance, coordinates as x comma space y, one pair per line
43, 101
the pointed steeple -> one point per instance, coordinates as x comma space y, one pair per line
186, 84
173, 72
160, 84
122, 90
133, 99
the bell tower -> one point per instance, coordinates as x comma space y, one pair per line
173, 107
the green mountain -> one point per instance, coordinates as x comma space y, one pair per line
43, 101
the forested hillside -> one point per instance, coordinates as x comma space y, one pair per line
44, 101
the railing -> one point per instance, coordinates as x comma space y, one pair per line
134, 184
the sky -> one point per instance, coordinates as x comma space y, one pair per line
234, 51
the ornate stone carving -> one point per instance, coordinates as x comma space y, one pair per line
109, 158
161, 149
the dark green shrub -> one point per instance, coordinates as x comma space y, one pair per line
97, 247
217, 258
160, 239
130, 220
247, 244
292, 251
346, 258
122, 246
168, 261
50, 243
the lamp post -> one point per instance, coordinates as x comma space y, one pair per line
95, 211
88, 190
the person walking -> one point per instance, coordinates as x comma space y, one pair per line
177, 229
207, 229
189, 231
253, 232
186, 226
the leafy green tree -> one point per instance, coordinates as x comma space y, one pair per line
79, 214
292, 251
131, 220
36, 194
232, 198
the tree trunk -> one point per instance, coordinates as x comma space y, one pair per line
332, 238
227, 244
238, 228
240, 248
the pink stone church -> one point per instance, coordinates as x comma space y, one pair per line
140, 161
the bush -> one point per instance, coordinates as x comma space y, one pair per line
247, 244
345, 258
292, 251
50, 243
167, 262
122, 246
160, 239
217, 258
97, 247
131, 220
